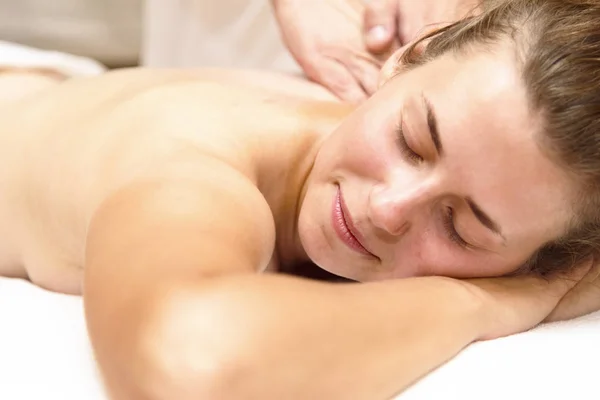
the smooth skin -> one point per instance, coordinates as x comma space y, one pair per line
160, 196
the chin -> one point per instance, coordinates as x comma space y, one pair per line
319, 249
323, 257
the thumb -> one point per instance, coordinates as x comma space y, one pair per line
380, 26
336, 77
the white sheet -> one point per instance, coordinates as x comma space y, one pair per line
45, 354
44, 350
553, 361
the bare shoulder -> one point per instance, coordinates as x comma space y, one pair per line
197, 216
227, 114
281, 84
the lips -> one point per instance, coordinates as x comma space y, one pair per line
344, 227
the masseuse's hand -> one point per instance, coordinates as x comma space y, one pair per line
516, 304
392, 23
325, 37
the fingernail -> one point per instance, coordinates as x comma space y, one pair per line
377, 33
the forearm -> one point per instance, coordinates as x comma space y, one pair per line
277, 337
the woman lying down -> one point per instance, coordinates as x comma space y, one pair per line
464, 196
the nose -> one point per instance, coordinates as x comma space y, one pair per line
393, 209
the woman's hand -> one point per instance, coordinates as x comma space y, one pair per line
516, 304
325, 37
582, 299
393, 23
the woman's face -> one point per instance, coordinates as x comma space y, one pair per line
439, 173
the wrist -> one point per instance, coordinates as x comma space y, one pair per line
478, 310
469, 307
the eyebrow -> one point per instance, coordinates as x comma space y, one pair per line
484, 218
432, 123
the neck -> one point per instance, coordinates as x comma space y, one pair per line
289, 247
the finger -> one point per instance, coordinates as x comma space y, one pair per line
380, 24
337, 78
405, 30
366, 73
582, 299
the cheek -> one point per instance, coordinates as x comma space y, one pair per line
361, 149
313, 215
422, 252
442, 258
427, 252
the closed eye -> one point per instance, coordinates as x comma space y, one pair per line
405, 149
450, 228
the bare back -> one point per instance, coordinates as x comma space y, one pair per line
64, 150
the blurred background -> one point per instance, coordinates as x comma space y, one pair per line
107, 30
157, 33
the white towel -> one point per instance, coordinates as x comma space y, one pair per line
17, 56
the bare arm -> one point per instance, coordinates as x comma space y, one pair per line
158, 235
175, 310
281, 337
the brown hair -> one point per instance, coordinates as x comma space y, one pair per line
558, 45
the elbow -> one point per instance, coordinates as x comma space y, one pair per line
179, 376
203, 347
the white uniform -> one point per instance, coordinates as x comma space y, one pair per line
225, 33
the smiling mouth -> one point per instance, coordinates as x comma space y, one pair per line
344, 228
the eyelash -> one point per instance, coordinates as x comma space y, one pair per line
405, 148
450, 228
